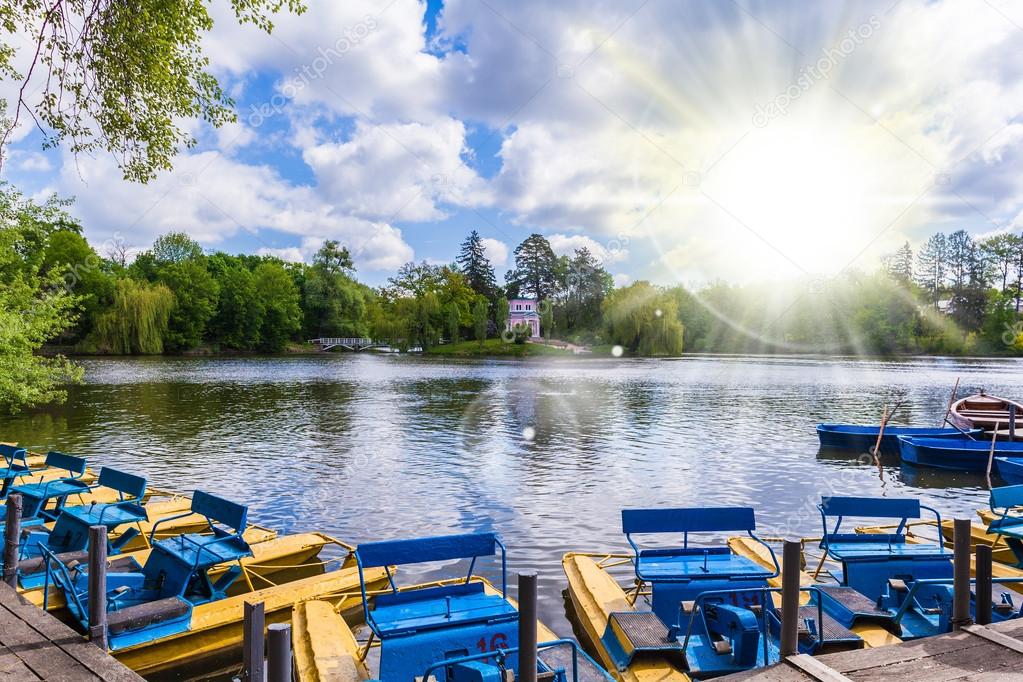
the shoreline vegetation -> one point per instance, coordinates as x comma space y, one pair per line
957, 297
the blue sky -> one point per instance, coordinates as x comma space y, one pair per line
680, 142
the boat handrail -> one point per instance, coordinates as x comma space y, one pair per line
501, 654
903, 509
908, 600
762, 622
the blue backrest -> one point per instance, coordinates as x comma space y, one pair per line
1007, 496
876, 507
70, 463
219, 510
129, 485
12, 454
421, 550
691, 520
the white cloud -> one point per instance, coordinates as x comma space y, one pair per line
621, 279
292, 254
31, 162
567, 244
496, 250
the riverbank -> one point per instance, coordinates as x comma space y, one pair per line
497, 348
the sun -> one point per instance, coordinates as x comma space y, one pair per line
814, 197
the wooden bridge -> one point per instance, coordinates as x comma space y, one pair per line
352, 344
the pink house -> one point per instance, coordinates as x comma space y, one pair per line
524, 311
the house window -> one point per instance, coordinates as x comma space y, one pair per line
527, 306
518, 306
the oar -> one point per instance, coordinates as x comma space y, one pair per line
880, 435
951, 400
991, 453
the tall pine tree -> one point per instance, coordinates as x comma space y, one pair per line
536, 269
932, 267
474, 264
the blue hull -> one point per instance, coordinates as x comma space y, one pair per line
862, 438
1010, 469
954, 454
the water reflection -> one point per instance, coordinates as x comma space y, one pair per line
546, 453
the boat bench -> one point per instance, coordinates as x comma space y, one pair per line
446, 606
1002, 501
36, 495
871, 546
144, 615
414, 609
695, 563
15, 466
201, 551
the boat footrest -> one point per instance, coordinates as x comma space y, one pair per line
630, 633
831, 635
144, 615
851, 605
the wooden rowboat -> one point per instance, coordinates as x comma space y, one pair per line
989, 412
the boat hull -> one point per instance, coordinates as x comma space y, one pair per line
989, 412
1010, 469
862, 438
954, 454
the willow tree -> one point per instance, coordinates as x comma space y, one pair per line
137, 321
644, 319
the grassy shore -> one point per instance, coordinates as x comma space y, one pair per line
496, 348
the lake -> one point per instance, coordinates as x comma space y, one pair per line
547, 453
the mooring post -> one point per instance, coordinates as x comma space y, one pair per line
1012, 422
790, 560
278, 654
98, 586
961, 574
253, 640
12, 539
983, 572
527, 627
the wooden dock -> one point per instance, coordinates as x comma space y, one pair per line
993, 652
36, 646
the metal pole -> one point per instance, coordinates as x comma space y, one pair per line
252, 643
527, 627
1012, 422
961, 575
12, 539
983, 584
278, 654
98, 586
791, 554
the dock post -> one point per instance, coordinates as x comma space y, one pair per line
278, 655
12, 539
527, 627
98, 586
791, 557
1012, 422
983, 572
961, 575
252, 643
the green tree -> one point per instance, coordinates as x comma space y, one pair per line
932, 267
586, 285
136, 322
644, 320
35, 307
175, 247
479, 319
122, 77
476, 267
535, 274
1002, 252
899, 265
546, 319
84, 273
280, 298
240, 311
195, 302
454, 324
335, 304
501, 312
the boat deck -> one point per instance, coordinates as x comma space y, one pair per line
993, 652
36, 646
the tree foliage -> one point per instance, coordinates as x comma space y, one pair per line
476, 267
118, 76
136, 322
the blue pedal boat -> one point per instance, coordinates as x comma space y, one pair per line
904, 586
1010, 469
955, 454
711, 612
14, 467
150, 602
862, 438
461, 631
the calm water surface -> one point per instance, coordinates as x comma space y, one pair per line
545, 452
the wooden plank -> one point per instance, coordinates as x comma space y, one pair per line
815, 669
995, 636
66, 640
13, 668
38, 653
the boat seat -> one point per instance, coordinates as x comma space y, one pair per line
204, 551
15, 466
439, 607
109, 515
853, 551
144, 615
697, 563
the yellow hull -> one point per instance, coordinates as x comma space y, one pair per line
595, 595
873, 635
325, 647
216, 628
270, 555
